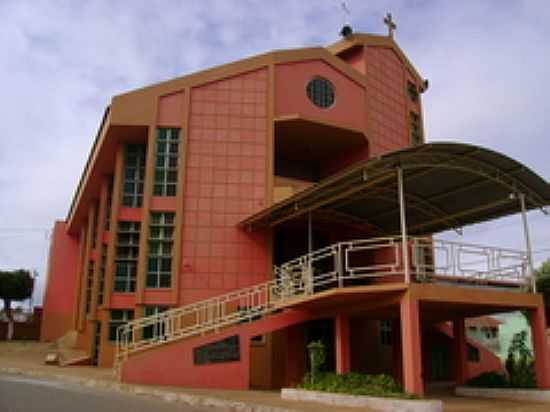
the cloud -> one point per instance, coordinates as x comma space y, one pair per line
61, 62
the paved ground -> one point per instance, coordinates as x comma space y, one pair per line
457, 404
26, 394
29, 357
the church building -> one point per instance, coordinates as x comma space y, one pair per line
227, 218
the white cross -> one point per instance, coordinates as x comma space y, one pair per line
391, 25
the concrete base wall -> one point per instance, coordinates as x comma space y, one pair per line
373, 403
533, 395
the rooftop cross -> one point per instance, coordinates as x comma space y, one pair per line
391, 25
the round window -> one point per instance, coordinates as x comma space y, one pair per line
321, 92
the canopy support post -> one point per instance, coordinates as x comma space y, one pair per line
530, 268
309, 234
403, 218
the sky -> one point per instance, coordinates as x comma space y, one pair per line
61, 62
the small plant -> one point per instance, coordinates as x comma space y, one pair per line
317, 358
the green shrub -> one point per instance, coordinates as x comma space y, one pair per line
519, 363
489, 380
354, 384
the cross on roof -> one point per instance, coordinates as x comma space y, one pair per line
391, 25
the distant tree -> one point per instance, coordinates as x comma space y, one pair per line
15, 286
543, 285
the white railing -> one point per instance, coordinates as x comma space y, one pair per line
339, 265
468, 262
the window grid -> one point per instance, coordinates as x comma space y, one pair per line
89, 283
166, 163
320, 92
155, 331
416, 132
159, 265
119, 317
127, 251
134, 174
101, 279
412, 90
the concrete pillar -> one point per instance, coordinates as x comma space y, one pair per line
412, 346
459, 353
537, 320
342, 343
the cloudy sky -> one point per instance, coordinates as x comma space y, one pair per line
60, 62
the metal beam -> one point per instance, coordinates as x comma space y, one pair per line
529, 249
403, 220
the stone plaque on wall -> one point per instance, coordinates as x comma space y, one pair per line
225, 350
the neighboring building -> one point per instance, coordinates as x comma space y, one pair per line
226, 218
512, 323
485, 330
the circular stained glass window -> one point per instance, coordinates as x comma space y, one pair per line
321, 92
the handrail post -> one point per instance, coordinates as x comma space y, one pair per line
530, 267
403, 219
339, 267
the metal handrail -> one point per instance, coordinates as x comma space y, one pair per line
337, 265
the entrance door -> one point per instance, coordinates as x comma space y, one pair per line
440, 362
322, 330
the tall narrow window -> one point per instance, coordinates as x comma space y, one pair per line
166, 164
416, 130
89, 283
127, 250
101, 280
412, 90
134, 173
119, 318
159, 264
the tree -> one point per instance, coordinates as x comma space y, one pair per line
15, 285
519, 363
543, 286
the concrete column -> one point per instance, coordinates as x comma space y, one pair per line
342, 343
412, 346
537, 320
459, 352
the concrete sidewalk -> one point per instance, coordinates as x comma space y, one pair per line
27, 358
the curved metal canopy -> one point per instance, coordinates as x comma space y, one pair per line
446, 185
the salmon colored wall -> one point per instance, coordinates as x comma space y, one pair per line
121, 300
387, 114
290, 94
61, 284
129, 214
170, 110
355, 57
225, 181
157, 366
487, 360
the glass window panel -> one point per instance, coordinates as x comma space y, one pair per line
170, 190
